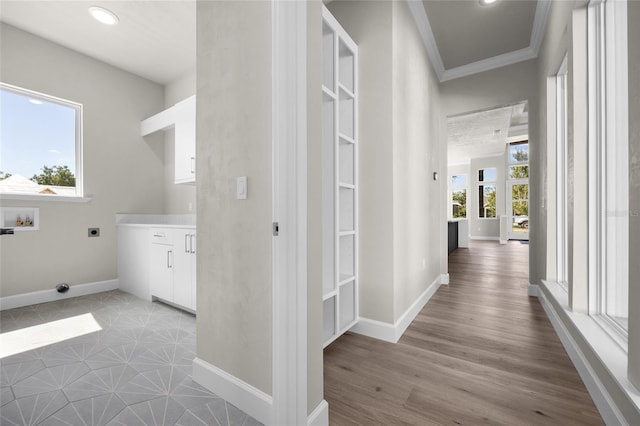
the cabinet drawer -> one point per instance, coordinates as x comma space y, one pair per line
160, 236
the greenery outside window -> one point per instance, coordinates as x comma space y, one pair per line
519, 160
487, 193
459, 196
40, 144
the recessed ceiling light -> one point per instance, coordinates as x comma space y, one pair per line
487, 2
103, 15
35, 101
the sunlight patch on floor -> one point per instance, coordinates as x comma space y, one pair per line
25, 339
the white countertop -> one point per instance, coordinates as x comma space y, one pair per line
157, 220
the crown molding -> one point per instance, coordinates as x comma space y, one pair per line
539, 24
499, 61
424, 28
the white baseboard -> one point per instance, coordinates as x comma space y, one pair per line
43, 296
444, 279
249, 399
601, 397
319, 416
482, 238
392, 332
533, 290
504, 241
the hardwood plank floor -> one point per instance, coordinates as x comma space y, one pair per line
480, 352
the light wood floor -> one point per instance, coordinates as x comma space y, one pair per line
480, 352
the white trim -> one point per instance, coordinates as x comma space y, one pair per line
46, 198
539, 24
488, 64
444, 279
51, 295
319, 416
530, 52
503, 241
485, 238
252, 401
611, 355
426, 33
392, 333
289, 177
533, 290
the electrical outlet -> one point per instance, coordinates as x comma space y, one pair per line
94, 232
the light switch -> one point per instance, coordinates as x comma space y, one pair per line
241, 188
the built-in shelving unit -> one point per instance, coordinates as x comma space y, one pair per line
340, 179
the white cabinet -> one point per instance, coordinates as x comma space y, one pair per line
182, 117
158, 262
172, 273
340, 179
161, 273
185, 141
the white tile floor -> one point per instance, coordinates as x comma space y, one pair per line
135, 371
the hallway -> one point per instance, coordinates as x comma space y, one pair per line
480, 352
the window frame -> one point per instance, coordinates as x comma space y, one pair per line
79, 142
608, 160
483, 183
562, 136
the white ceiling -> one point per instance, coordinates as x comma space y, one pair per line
463, 38
485, 133
467, 32
154, 39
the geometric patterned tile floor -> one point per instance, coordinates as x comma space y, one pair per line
135, 371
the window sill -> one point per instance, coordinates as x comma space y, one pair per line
45, 198
611, 352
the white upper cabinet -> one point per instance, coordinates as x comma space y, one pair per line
182, 117
185, 154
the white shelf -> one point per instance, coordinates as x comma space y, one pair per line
20, 218
345, 138
348, 94
329, 295
346, 279
340, 179
328, 92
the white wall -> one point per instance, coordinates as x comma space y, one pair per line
417, 208
122, 171
234, 322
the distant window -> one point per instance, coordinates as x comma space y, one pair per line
40, 144
519, 160
487, 192
459, 196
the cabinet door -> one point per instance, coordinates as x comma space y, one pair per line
185, 141
162, 261
182, 288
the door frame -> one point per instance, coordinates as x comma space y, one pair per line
289, 205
